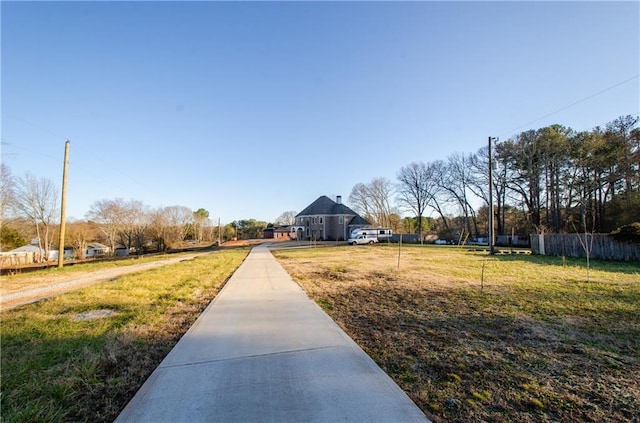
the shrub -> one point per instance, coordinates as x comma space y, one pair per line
627, 233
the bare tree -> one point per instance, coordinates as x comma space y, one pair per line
158, 228
372, 200
360, 200
287, 218
438, 197
381, 191
121, 221
178, 218
79, 235
454, 181
200, 217
110, 215
7, 190
208, 230
134, 223
416, 189
37, 201
479, 174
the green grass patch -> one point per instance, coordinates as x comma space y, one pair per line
81, 356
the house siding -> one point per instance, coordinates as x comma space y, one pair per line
329, 230
317, 228
337, 231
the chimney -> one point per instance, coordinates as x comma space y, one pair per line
339, 199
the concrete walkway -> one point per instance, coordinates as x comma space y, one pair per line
264, 352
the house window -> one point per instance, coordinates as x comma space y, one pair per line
341, 220
321, 220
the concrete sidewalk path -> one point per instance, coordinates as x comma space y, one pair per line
264, 352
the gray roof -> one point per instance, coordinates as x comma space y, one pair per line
325, 206
358, 220
29, 248
96, 245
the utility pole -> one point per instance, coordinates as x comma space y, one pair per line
63, 206
491, 228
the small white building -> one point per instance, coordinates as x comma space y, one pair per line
95, 249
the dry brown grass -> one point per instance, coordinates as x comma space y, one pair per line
534, 343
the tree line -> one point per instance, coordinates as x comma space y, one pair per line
138, 228
29, 209
551, 179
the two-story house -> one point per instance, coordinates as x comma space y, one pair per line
328, 220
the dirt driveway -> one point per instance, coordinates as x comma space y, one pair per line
38, 287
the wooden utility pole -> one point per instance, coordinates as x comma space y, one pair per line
63, 205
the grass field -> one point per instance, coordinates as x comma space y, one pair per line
81, 356
529, 341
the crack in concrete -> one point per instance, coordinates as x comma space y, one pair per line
246, 357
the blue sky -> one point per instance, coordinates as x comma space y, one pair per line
252, 109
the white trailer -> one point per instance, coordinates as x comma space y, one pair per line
380, 234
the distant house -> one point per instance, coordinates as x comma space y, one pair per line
325, 219
281, 232
95, 249
34, 254
28, 254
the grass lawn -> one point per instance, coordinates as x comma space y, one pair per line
82, 356
533, 342
33, 279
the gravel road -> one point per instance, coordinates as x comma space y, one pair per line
33, 294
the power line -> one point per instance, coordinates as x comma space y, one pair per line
76, 165
570, 105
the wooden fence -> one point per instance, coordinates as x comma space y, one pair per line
13, 259
602, 247
413, 238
